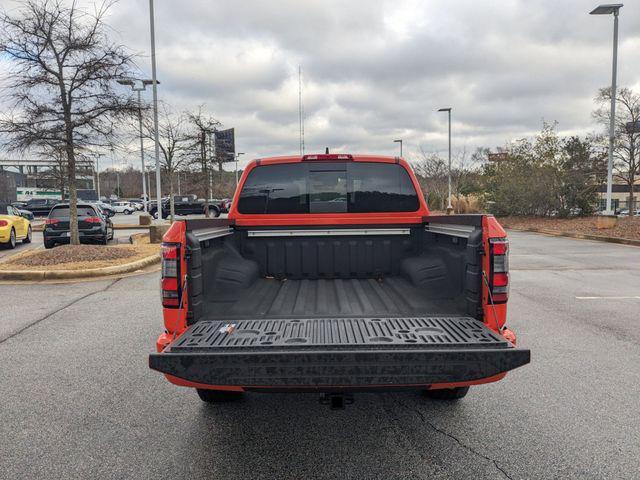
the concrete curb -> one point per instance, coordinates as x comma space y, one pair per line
581, 236
125, 226
38, 275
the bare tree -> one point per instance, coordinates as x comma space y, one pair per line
464, 176
63, 67
627, 140
431, 170
174, 140
202, 126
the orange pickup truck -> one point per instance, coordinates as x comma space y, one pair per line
331, 276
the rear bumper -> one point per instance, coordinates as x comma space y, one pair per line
84, 238
297, 369
331, 353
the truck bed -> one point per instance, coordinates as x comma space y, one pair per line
273, 298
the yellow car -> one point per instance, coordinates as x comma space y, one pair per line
13, 226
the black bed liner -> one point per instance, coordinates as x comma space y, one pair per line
324, 298
330, 352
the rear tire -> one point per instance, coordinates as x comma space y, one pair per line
447, 393
216, 212
48, 244
128, 212
27, 239
218, 396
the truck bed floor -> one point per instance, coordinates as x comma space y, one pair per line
272, 298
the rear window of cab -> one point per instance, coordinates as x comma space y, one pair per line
328, 187
63, 212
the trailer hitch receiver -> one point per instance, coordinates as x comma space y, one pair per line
336, 401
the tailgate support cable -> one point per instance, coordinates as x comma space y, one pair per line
184, 290
493, 306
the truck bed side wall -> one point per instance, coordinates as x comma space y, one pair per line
441, 266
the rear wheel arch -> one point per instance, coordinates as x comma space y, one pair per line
27, 238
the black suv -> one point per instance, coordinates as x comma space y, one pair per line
93, 224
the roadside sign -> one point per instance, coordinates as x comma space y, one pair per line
225, 145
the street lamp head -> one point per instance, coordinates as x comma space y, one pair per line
131, 82
398, 141
448, 109
606, 9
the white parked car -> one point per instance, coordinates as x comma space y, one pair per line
123, 207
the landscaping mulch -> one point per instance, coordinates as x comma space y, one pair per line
79, 257
627, 227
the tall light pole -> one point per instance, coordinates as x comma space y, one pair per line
154, 82
98, 155
448, 110
237, 156
608, 10
139, 86
117, 170
400, 142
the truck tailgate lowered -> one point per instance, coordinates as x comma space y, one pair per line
336, 352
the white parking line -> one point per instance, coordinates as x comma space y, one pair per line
631, 297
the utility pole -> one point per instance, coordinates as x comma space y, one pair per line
449, 206
139, 89
211, 158
237, 156
400, 142
300, 111
608, 10
98, 155
155, 109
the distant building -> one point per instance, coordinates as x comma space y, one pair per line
9, 182
620, 196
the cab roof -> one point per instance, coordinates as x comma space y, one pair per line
326, 157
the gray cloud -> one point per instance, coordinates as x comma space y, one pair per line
378, 70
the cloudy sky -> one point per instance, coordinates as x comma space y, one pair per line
374, 71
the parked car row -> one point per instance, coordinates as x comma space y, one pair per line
184, 205
625, 212
40, 207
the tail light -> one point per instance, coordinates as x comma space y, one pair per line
92, 220
171, 288
51, 221
499, 278
3, 223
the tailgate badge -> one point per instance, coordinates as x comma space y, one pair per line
228, 328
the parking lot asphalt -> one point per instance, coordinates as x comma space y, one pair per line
78, 400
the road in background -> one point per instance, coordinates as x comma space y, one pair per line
79, 401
